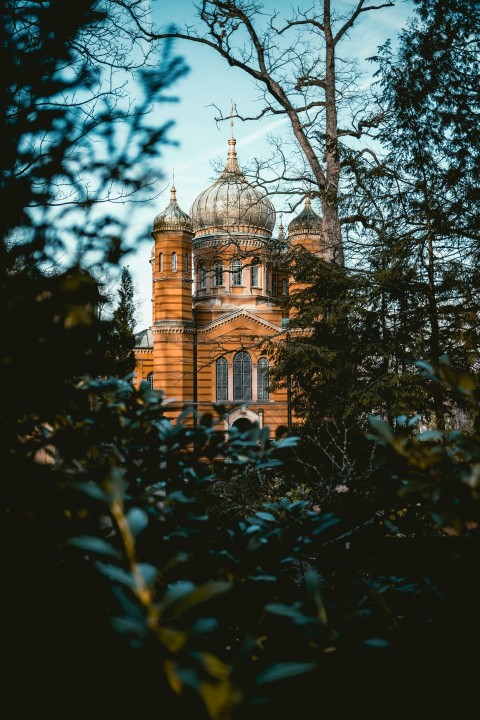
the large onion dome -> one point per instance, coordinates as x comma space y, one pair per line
231, 204
173, 217
307, 222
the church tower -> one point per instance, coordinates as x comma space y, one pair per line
306, 232
172, 322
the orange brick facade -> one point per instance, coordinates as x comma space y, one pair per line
218, 292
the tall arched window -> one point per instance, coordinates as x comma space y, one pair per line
202, 275
254, 273
174, 262
242, 376
186, 263
236, 273
160, 262
150, 379
222, 379
218, 273
262, 379
284, 287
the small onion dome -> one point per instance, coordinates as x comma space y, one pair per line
307, 222
173, 217
231, 204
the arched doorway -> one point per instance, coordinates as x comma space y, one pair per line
243, 424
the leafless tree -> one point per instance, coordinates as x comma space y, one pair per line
295, 64
80, 85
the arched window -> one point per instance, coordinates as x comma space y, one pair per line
202, 275
262, 379
174, 262
185, 262
150, 379
242, 376
218, 273
160, 262
222, 379
254, 274
284, 287
236, 273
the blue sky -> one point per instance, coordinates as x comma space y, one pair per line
201, 142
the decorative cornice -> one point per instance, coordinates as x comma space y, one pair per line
240, 230
169, 329
214, 240
179, 276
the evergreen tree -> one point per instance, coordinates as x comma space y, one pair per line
345, 356
414, 291
432, 99
121, 338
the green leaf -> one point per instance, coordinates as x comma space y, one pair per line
265, 516
183, 595
430, 435
414, 420
115, 573
291, 612
92, 490
137, 521
94, 545
280, 671
286, 442
426, 367
149, 573
128, 625
204, 625
176, 591
382, 428
377, 643
263, 578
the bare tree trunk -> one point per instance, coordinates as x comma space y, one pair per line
329, 196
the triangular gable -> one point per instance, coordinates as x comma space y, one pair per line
249, 320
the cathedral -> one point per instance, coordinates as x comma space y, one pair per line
219, 291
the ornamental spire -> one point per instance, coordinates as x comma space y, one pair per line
232, 165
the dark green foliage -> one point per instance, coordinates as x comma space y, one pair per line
343, 357
432, 206
411, 287
439, 470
